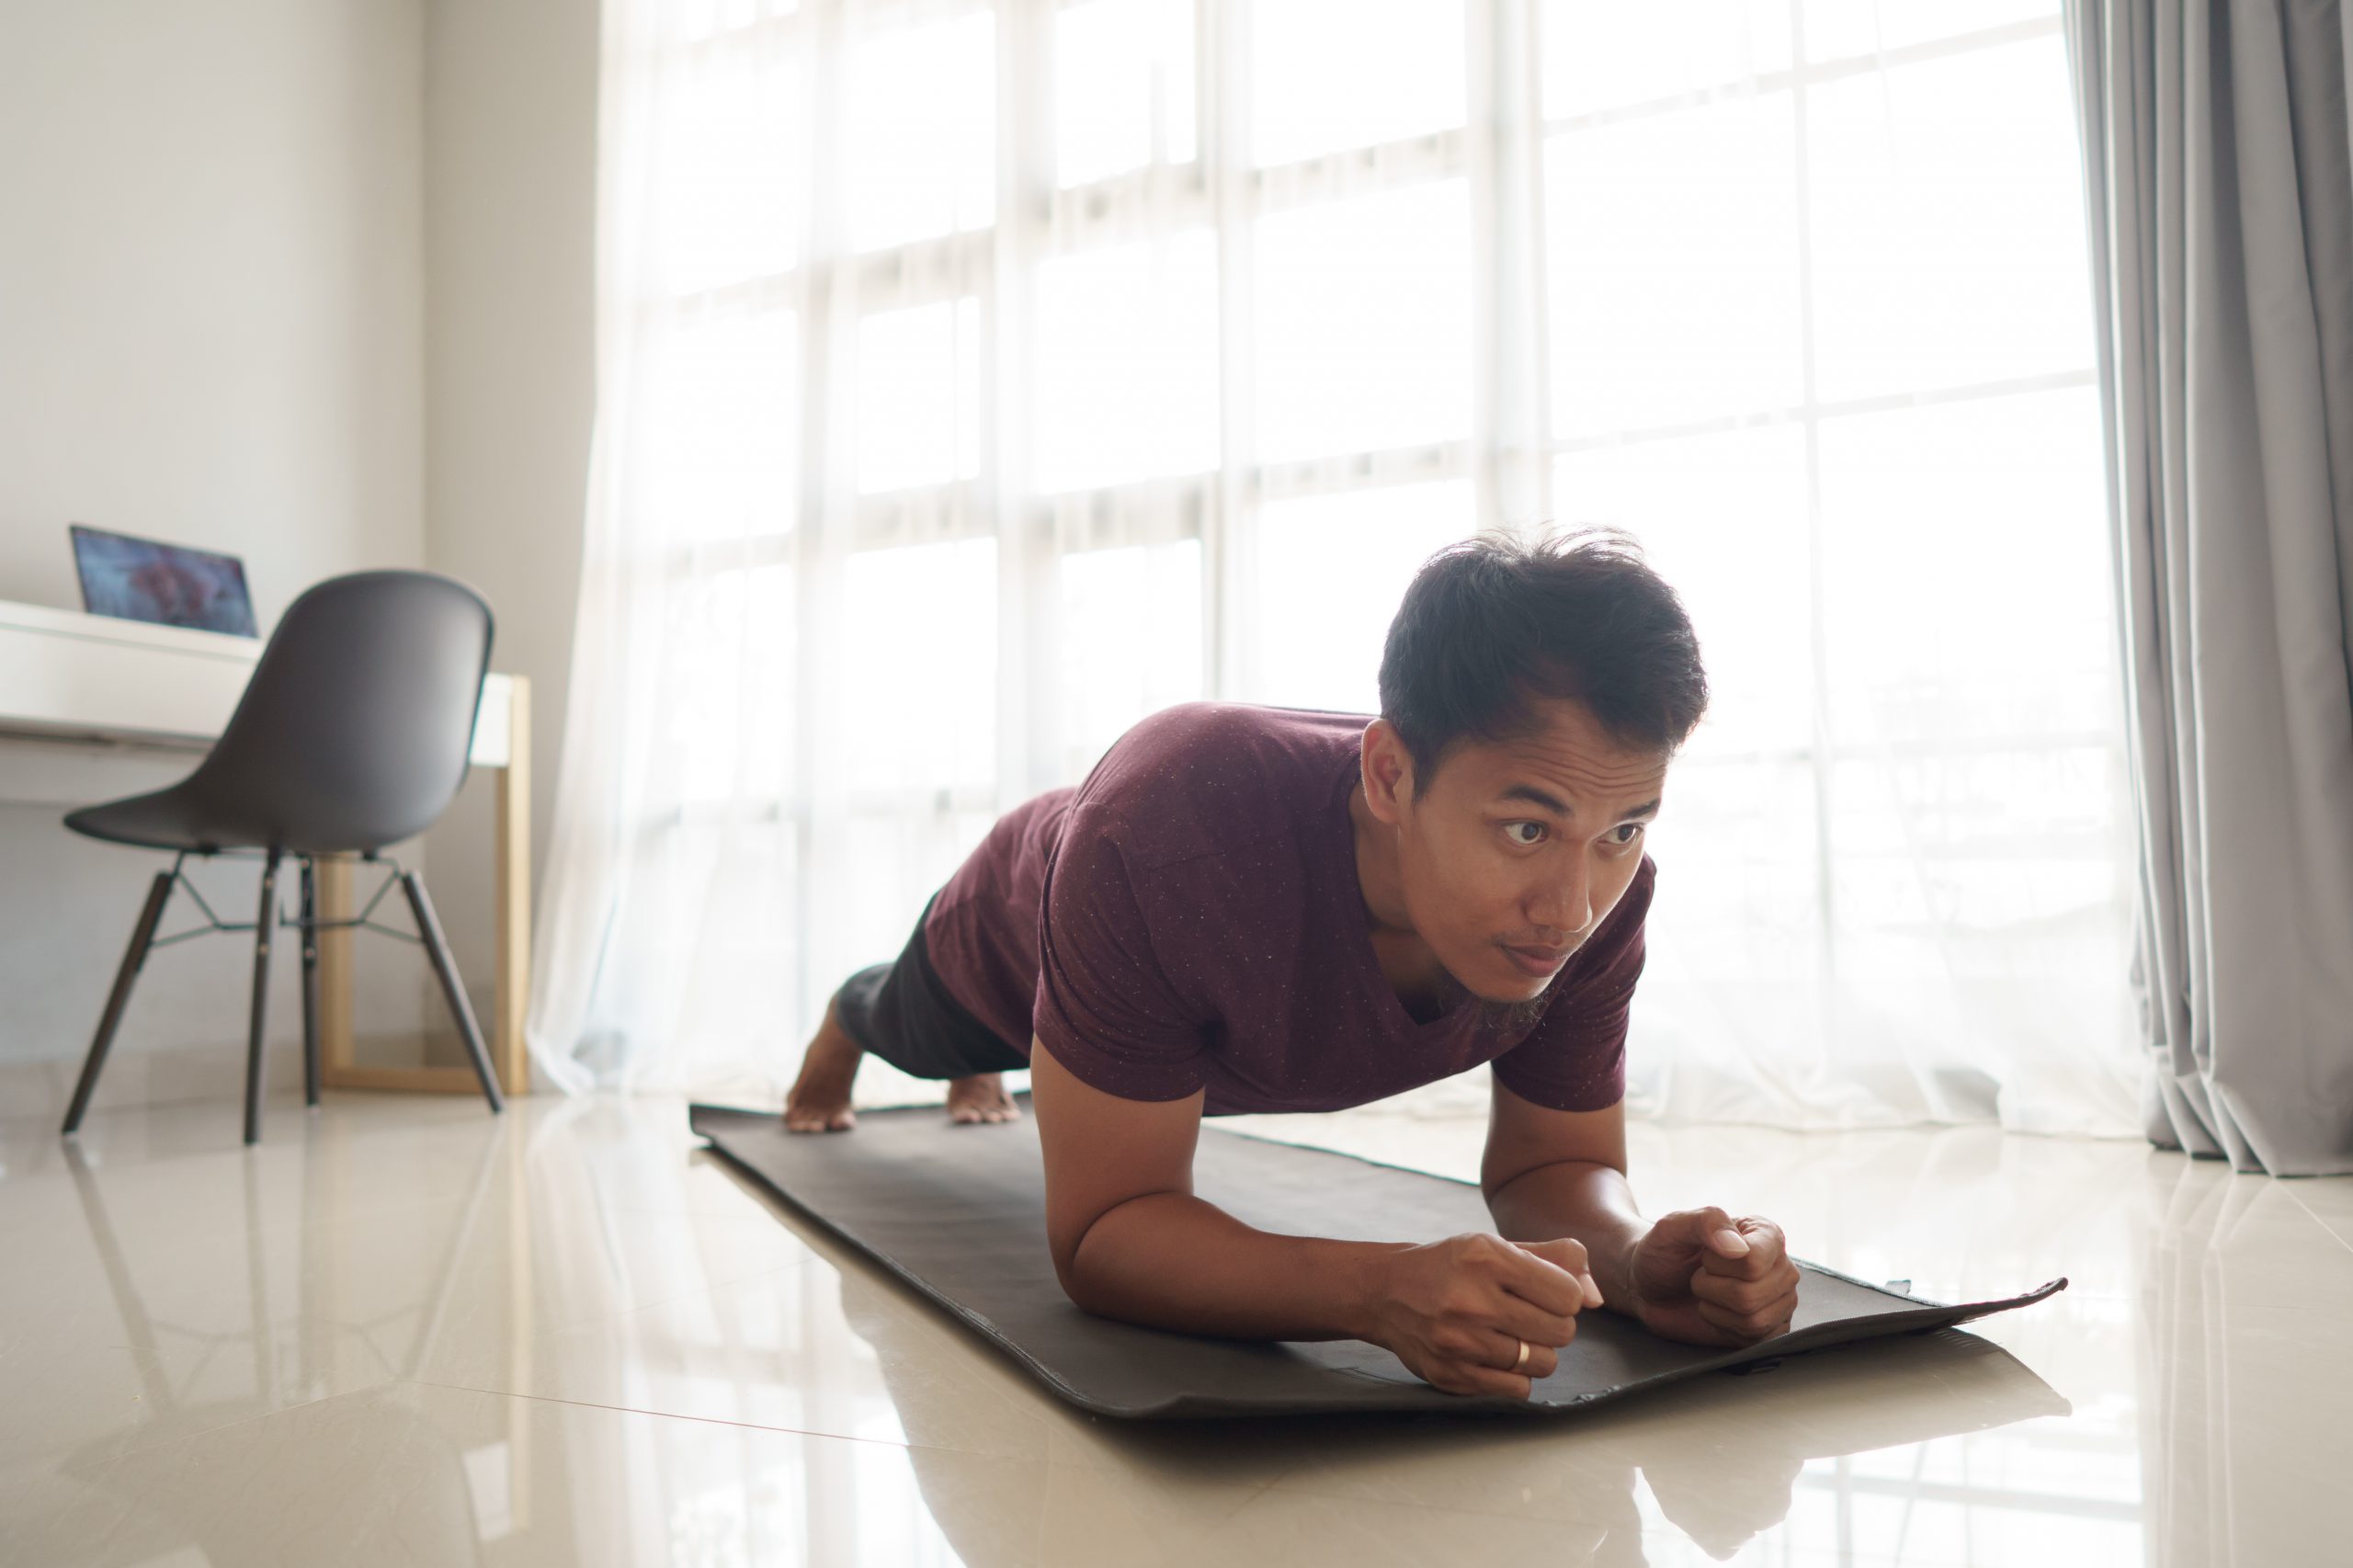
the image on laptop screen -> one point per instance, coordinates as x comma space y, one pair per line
170, 585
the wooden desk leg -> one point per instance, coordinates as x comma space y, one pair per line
509, 1054
335, 968
508, 1057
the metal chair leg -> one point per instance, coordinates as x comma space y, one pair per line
151, 915
438, 947
265, 925
309, 983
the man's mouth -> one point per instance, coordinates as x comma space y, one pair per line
1536, 963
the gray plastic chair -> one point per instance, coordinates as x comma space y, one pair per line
352, 734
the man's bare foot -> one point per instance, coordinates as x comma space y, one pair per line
819, 1099
979, 1098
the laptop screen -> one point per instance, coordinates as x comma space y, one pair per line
170, 585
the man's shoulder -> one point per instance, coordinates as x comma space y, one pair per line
1204, 778
1210, 733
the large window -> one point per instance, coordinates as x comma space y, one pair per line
1016, 369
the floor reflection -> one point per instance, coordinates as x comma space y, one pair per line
2246, 1369
1721, 1456
391, 1335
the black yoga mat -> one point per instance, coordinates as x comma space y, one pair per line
959, 1212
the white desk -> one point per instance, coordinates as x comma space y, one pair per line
65, 675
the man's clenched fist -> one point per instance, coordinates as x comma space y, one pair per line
1701, 1276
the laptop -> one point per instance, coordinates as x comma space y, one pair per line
169, 585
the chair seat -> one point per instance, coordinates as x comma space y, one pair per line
162, 819
183, 816
180, 818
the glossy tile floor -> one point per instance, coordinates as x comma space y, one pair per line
400, 1332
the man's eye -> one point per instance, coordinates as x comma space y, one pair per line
1525, 832
1626, 833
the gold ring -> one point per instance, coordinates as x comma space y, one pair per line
1516, 1366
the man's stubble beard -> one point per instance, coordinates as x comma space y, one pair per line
1505, 1017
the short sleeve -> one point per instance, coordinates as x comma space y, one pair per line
1104, 1008
1576, 1059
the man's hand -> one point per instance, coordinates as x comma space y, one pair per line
1703, 1278
1454, 1311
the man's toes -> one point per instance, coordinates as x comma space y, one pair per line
973, 1103
819, 1121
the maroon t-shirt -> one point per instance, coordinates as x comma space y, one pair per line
1191, 917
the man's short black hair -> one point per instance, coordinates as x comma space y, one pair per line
1493, 625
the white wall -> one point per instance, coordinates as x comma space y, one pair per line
510, 161
211, 284
211, 330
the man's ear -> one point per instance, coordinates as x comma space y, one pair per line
1388, 772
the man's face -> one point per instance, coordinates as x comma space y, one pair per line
1518, 850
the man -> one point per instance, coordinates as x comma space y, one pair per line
1251, 909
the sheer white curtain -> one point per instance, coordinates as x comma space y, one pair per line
1815, 333
975, 379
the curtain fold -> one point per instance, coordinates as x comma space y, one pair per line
2217, 151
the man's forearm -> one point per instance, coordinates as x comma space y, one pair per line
1582, 1199
1168, 1260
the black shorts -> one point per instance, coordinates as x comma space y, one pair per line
903, 1014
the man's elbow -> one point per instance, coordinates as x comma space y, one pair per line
1082, 1255
1082, 1283
1066, 1272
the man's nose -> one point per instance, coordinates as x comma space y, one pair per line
1562, 904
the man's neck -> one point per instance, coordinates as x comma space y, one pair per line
1422, 985
1377, 874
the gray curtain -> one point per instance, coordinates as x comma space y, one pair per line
2217, 157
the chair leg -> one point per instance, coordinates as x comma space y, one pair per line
309, 983
151, 915
438, 947
264, 928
